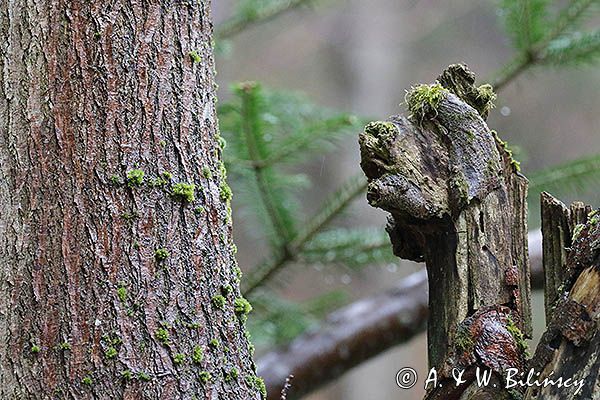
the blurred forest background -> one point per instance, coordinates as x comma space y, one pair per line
353, 60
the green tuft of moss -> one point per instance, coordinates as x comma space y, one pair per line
463, 340
238, 273
232, 375
111, 352
218, 301
143, 376
114, 179
423, 100
222, 142
197, 354
198, 210
225, 192
205, 376
162, 335
257, 383
87, 380
122, 293
183, 192
64, 346
135, 177
161, 254
178, 358
383, 129
126, 375
486, 96
241, 306
226, 290
518, 336
195, 56
35, 349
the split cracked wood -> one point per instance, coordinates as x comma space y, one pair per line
570, 347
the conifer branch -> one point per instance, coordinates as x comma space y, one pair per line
242, 21
289, 251
251, 126
536, 53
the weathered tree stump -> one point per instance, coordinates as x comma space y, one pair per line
458, 202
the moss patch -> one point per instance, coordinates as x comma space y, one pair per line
241, 306
205, 376
485, 98
423, 100
226, 290
161, 254
225, 192
195, 56
197, 354
184, 192
64, 346
179, 358
122, 293
232, 375
218, 301
126, 375
518, 336
463, 340
162, 335
143, 376
110, 353
135, 177
257, 383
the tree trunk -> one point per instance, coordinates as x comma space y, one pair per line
118, 273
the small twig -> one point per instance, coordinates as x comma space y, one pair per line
286, 387
248, 129
534, 54
237, 24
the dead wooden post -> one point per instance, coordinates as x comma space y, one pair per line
456, 201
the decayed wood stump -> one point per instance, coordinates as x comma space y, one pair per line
456, 201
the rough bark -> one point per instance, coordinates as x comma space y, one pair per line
346, 339
456, 201
570, 347
90, 91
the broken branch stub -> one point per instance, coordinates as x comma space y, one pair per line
456, 201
